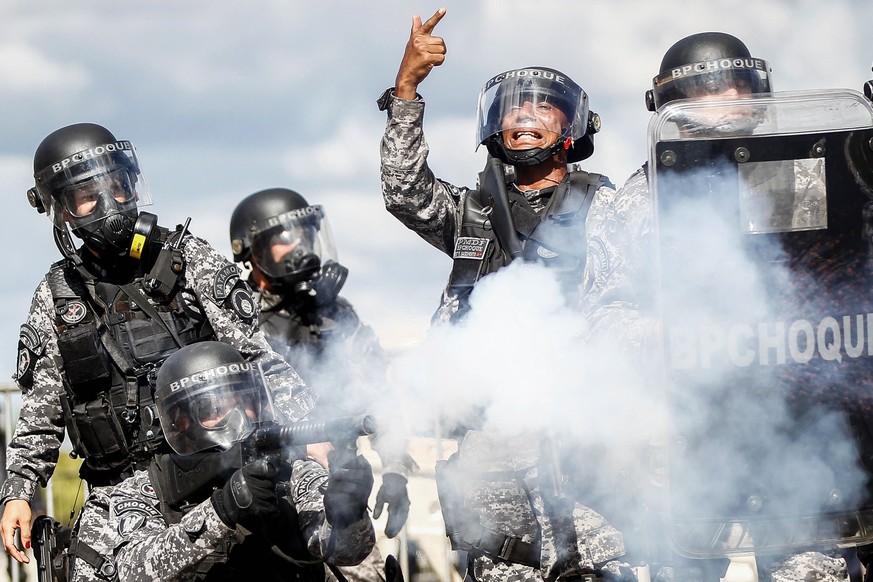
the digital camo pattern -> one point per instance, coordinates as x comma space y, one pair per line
33, 451
426, 205
504, 487
146, 548
89, 525
812, 567
617, 285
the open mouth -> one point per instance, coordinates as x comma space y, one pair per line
526, 135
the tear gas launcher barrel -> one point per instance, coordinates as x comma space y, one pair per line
186, 479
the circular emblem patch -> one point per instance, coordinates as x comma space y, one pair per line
130, 523
23, 361
243, 303
75, 312
148, 491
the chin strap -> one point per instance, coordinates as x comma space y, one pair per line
529, 157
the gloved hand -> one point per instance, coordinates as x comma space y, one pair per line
392, 492
249, 496
348, 488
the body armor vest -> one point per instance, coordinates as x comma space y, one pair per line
555, 236
311, 330
111, 348
287, 559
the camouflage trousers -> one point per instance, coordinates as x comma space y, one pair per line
811, 567
88, 530
372, 569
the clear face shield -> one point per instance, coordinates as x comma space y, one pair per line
531, 108
215, 408
293, 246
92, 185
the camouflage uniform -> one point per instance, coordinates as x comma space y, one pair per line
621, 313
433, 209
146, 548
341, 359
204, 284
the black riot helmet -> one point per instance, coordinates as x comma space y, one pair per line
289, 241
502, 103
707, 63
209, 397
87, 178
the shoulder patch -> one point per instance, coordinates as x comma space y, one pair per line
148, 491
309, 482
135, 506
470, 247
30, 338
224, 281
74, 312
129, 523
243, 302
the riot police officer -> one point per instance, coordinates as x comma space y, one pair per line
288, 245
102, 321
202, 511
534, 121
619, 289
530, 205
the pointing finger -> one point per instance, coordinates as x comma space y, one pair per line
431, 23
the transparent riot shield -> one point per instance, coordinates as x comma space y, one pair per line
765, 260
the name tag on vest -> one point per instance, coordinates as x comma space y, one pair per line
470, 247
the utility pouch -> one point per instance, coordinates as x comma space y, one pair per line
84, 366
94, 429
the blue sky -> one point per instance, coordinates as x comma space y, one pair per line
225, 98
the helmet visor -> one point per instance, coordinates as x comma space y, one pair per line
731, 77
72, 188
214, 408
531, 108
293, 245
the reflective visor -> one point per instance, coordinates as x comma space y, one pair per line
711, 78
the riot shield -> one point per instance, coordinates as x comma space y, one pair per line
764, 220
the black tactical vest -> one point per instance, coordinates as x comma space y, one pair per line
554, 236
111, 349
259, 556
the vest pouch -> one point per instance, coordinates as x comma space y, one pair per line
146, 340
95, 431
84, 366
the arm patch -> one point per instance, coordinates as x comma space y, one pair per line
30, 346
224, 282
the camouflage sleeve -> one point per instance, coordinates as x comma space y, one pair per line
32, 453
350, 545
411, 193
229, 304
146, 548
617, 286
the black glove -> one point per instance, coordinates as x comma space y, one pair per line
249, 496
393, 492
348, 489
